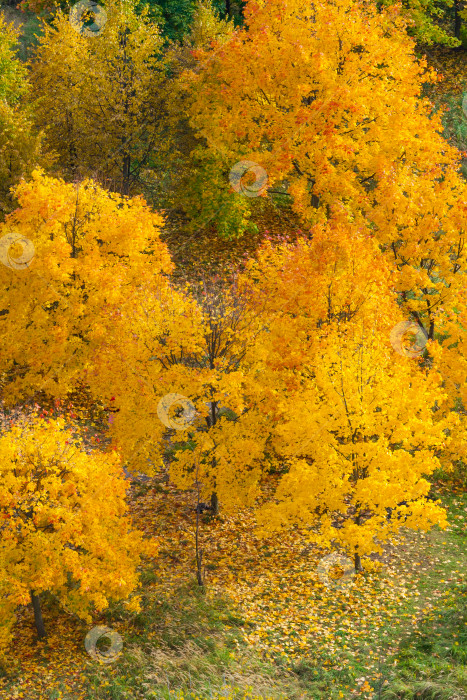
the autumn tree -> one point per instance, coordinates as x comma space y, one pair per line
183, 353
423, 20
230, 328
316, 391
352, 420
56, 78
70, 253
101, 98
19, 145
328, 102
338, 117
358, 439
59, 534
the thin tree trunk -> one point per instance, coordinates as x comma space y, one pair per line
457, 19
215, 503
126, 175
36, 604
358, 562
212, 422
227, 8
199, 552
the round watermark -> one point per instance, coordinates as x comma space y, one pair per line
408, 339
181, 421
16, 262
81, 15
336, 560
242, 185
108, 655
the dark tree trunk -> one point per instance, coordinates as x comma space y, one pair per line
199, 553
457, 18
227, 8
358, 562
126, 175
212, 420
215, 504
36, 604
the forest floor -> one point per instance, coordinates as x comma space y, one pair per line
12, 16
264, 619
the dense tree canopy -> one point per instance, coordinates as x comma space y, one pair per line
80, 241
102, 103
19, 146
58, 533
232, 305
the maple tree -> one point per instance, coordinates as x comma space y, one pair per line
180, 343
226, 452
343, 124
299, 347
101, 99
19, 145
58, 533
352, 420
71, 253
423, 21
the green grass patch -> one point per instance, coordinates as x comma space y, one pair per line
29, 26
190, 642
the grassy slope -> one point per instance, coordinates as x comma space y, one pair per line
28, 24
183, 639
428, 635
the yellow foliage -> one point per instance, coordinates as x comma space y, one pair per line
85, 250
19, 146
64, 522
101, 100
351, 419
